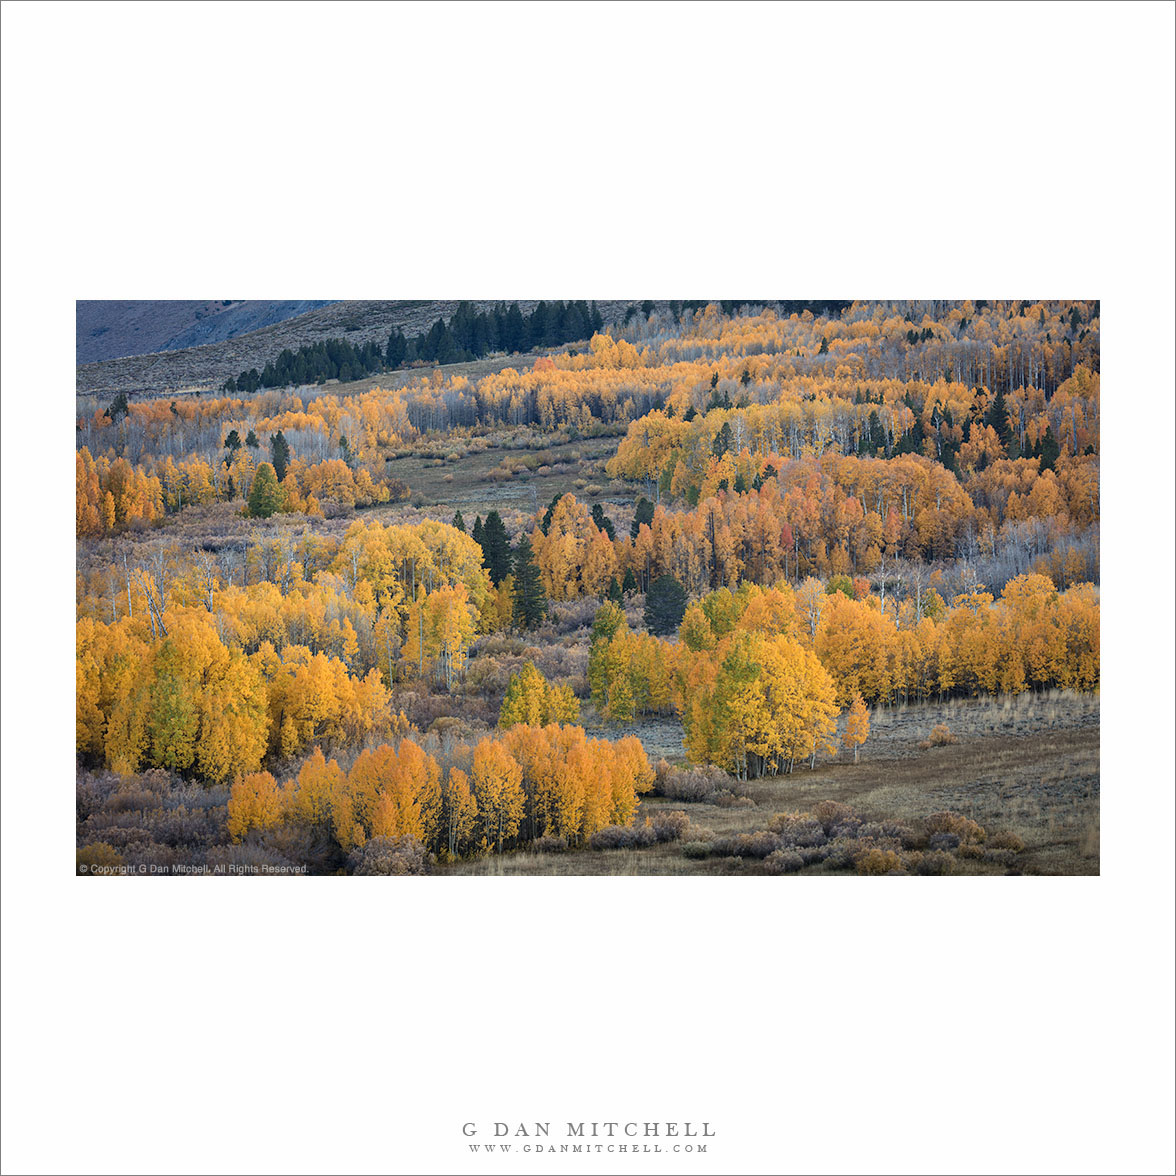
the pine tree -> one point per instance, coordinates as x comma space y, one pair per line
250, 440
614, 591
496, 548
643, 515
117, 408
1050, 450
546, 523
280, 453
665, 605
530, 601
397, 349
476, 534
998, 418
602, 521
265, 496
629, 583
459, 522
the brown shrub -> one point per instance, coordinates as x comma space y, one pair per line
498, 644
1000, 857
931, 864
246, 859
968, 831
842, 853
700, 785
99, 858
757, 845
913, 838
386, 856
572, 615
784, 861
878, 861
730, 800
451, 729
668, 826
833, 812
1006, 840
621, 837
815, 853
798, 830
940, 737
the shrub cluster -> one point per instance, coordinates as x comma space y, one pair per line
700, 785
834, 834
149, 819
967, 830
621, 837
879, 861
660, 827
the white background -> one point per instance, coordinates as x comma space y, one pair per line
600, 150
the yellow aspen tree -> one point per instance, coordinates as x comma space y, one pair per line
592, 769
255, 802
565, 782
562, 705
459, 812
857, 726
233, 720
632, 776
497, 783
449, 630
525, 699
313, 797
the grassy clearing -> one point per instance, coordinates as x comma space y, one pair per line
470, 483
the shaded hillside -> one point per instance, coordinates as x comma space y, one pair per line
240, 319
117, 328
207, 366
